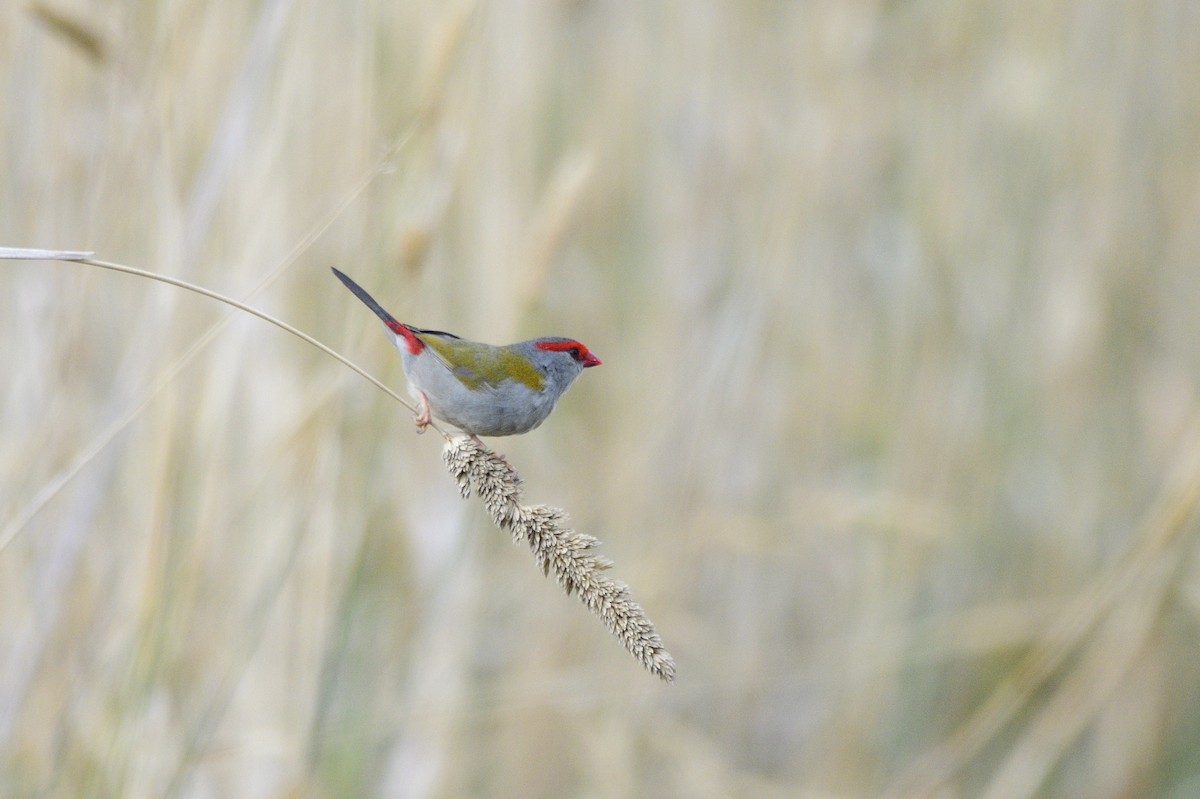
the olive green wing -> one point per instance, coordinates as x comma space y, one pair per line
481, 366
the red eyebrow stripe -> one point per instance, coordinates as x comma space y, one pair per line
561, 346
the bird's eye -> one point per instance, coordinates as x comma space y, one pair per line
574, 353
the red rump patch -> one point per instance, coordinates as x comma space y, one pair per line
414, 344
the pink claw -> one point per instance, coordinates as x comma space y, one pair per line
422, 418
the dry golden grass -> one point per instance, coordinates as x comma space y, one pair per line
569, 554
895, 433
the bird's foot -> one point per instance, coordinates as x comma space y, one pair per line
422, 417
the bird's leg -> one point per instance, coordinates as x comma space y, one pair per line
422, 418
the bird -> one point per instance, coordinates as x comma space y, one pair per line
481, 389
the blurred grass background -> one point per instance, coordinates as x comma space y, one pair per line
896, 440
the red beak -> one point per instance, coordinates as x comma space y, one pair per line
591, 360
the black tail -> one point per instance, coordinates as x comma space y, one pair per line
364, 296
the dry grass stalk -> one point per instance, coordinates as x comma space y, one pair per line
557, 548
